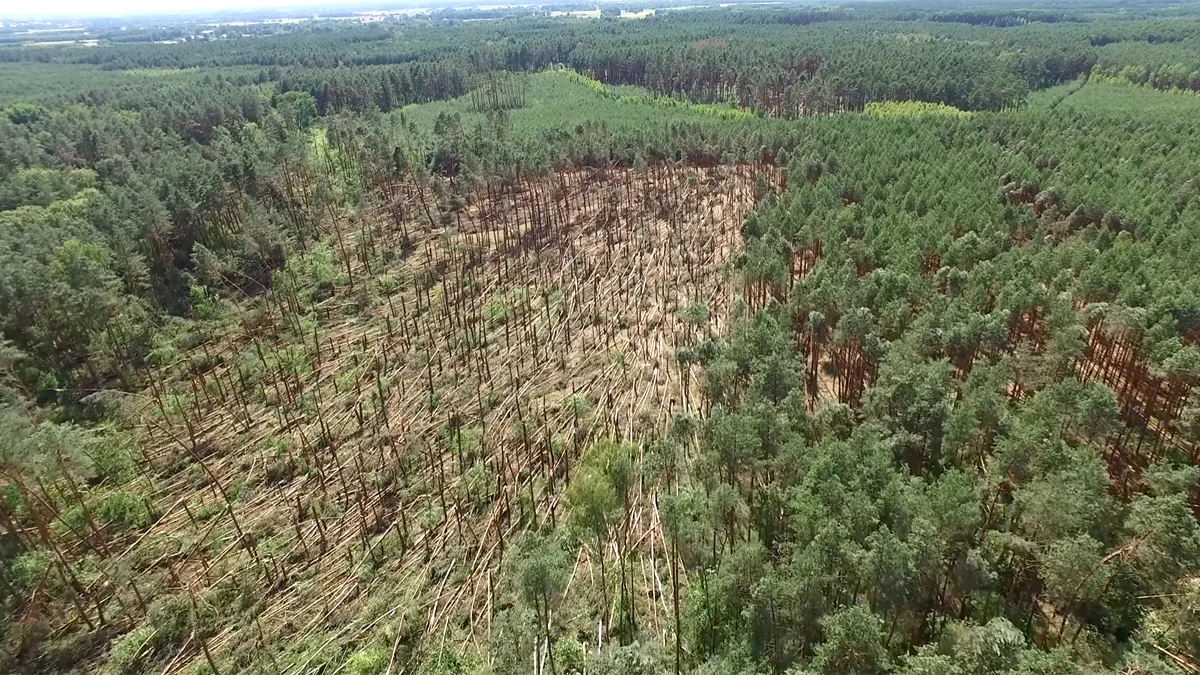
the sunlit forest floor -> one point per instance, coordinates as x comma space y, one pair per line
382, 443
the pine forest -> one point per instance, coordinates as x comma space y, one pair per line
742, 339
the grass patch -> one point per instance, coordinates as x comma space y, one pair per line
564, 98
912, 109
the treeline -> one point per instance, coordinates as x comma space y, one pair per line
780, 62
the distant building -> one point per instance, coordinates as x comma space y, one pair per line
581, 14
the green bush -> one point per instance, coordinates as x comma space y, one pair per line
444, 662
173, 620
124, 511
569, 656
128, 650
112, 458
367, 661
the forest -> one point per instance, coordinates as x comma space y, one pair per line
856, 338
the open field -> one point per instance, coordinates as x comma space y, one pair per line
563, 99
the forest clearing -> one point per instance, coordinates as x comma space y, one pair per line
440, 419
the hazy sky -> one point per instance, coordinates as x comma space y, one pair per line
47, 8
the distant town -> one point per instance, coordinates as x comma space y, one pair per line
179, 27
